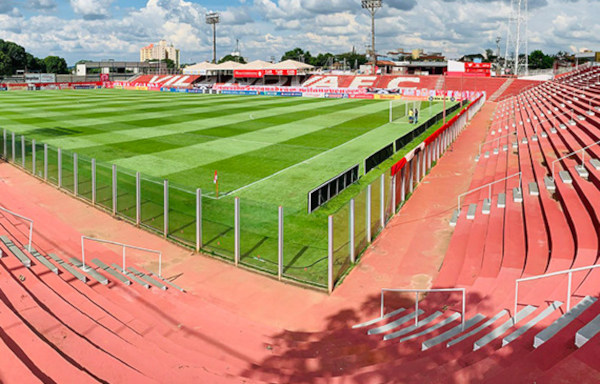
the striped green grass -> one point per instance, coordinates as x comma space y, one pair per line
268, 151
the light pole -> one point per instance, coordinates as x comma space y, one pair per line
372, 6
214, 18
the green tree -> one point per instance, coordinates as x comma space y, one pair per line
55, 64
238, 59
297, 54
539, 60
5, 65
353, 59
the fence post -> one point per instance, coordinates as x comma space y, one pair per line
403, 184
330, 254
13, 147
59, 154
75, 175
411, 175
114, 189
368, 218
33, 170
23, 151
198, 219
569, 291
138, 199
166, 208
351, 231
280, 245
237, 231
4, 149
46, 162
382, 201
93, 181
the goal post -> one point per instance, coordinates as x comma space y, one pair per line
399, 109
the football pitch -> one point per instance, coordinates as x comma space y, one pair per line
268, 151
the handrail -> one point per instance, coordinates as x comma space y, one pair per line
23, 218
489, 186
573, 153
496, 139
417, 291
125, 246
567, 271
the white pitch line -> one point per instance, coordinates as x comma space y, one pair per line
302, 162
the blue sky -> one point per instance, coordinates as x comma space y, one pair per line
117, 29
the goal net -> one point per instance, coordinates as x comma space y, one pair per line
399, 110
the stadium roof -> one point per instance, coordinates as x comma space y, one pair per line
254, 65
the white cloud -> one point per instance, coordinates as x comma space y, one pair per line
91, 9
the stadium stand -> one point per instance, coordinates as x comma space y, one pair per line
58, 327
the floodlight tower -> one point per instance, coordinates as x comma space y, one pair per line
214, 18
517, 38
372, 6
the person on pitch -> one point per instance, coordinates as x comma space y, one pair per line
416, 115
411, 114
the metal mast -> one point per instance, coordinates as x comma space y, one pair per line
214, 18
372, 6
517, 39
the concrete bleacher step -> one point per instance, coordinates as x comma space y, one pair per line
501, 200
562, 321
595, 163
541, 316
39, 257
494, 334
378, 319
169, 283
471, 211
78, 275
565, 177
89, 270
131, 276
111, 271
590, 330
486, 206
451, 332
466, 335
517, 195
549, 183
26, 261
581, 171
419, 324
394, 324
443, 323
533, 189
147, 278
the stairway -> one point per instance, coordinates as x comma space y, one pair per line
501, 90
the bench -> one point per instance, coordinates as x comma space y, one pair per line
111, 271
147, 278
494, 334
131, 276
590, 330
78, 275
95, 275
541, 316
562, 321
39, 257
26, 261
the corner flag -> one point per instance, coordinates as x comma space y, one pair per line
216, 182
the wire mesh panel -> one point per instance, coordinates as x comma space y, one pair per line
389, 209
39, 160
53, 165
375, 208
84, 177
341, 242
67, 171
126, 194
305, 248
18, 151
182, 214
3, 153
104, 185
151, 201
9, 146
360, 222
28, 155
218, 226
258, 235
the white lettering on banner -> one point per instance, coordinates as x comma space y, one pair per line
326, 82
363, 82
395, 82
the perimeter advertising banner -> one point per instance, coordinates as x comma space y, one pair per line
249, 73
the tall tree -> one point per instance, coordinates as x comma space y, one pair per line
55, 64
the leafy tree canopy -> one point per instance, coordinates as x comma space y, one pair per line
13, 57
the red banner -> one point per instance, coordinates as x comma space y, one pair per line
281, 72
255, 74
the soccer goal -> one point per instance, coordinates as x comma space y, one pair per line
400, 108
